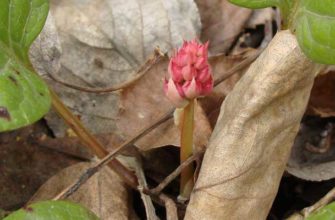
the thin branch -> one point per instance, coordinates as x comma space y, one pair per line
110, 157
175, 173
154, 59
90, 141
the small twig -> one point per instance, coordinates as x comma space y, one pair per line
175, 173
156, 57
91, 171
170, 206
330, 196
90, 141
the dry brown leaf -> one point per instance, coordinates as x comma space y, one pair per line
144, 102
313, 165
323, 94
25, 166
222, 22
251, 142
105, 193
105, 41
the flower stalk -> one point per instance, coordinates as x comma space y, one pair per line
186, 150
190, 76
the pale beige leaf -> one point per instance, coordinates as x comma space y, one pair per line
104, 193
45, 52
105, 41
251, 142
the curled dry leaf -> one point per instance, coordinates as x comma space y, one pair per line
313, 153
222, 22
105, 41
251, 142
105, 193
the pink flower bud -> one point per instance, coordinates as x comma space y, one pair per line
189, 74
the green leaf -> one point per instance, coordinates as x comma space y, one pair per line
255, 4
325, 213
315, 29
53, 210
24, 97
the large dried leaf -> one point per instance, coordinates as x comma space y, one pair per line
222, 23
105, 194
251, 142
105, 41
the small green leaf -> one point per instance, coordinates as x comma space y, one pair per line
315, 29
255, 4
325, 213
53, 210
24, 97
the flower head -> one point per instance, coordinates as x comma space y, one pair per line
190, 74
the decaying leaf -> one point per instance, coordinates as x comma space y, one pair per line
25, 165
323, 95
313, 153
104, 194
222, 22
105, 41
251, 142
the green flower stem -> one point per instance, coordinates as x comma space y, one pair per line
90, 141
186, 150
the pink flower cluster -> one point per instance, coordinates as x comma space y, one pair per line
190, 74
